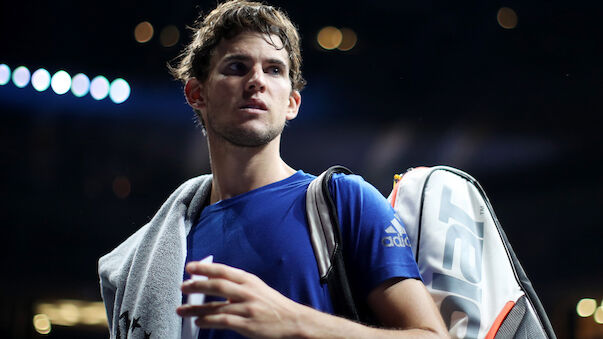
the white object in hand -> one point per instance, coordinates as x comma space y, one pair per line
189, 329
199, 298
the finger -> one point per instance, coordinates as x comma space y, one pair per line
187, 310
218, 307
216, 287
217, 271
223, 321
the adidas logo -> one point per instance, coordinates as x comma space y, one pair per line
398, 237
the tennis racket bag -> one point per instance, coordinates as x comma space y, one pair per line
463, 255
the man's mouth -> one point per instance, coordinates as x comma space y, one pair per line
255, 104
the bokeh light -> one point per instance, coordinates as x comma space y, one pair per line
599, 315
169, 36
99, 87
70, 312
121, 187
348, 39
4, 74
507, 18
92, 314
40, 80
21, 76
80, 85
586, 307
67, 312
120, 91
143, 32
61, 82
41, 323
329, 37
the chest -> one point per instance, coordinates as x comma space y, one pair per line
266, 236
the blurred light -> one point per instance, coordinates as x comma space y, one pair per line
80, 85
599, 315
61, 82
348, 39
69, 312
120, 91
121, 187
21, 76
72, 312
93, 314
143, 32
169, 36
586, 307
99, 87
507, 18
41, 323
40, 80
329, 37
4, 74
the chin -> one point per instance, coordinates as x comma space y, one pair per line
251, 137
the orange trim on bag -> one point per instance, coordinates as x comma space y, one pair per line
397, 179
499, 319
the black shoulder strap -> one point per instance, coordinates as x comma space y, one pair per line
325, 236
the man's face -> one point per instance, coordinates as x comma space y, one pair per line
247, 97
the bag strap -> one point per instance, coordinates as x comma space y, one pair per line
325, 236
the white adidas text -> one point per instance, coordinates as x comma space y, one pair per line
399, 238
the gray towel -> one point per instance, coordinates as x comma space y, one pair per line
140, 279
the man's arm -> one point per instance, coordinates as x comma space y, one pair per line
255, 310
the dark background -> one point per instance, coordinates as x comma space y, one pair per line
427, 83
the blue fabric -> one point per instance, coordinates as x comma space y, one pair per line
372, 255
264, 232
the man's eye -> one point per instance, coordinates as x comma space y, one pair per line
236, 68
275, 70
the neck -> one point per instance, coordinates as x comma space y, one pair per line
237, 170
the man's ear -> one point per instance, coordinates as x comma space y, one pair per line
192, 92
294, 103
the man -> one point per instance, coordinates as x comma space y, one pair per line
242, 77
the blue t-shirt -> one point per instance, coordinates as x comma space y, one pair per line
264, 232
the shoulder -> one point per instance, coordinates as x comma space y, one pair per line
188, 188
354, 185
113, 265
359, 199
188, 196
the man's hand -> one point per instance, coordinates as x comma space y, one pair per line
252, 308
256, 310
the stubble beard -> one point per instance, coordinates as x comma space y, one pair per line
243, 137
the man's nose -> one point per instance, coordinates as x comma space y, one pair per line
256, 81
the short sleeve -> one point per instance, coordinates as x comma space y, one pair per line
376, 246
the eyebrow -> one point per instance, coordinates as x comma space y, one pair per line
237, 57
243, 57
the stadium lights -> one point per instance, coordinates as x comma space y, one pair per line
67, 312
99, 87
40, 80
4, 74
343, 39
61, 82
80, 85
587, 307
119, 90
21, 76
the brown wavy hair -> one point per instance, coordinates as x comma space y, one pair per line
225, 22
